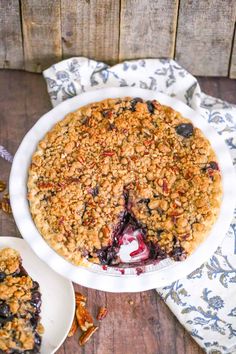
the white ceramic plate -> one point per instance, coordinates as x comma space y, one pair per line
58, 301
111, 279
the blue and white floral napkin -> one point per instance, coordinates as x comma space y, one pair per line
205, 301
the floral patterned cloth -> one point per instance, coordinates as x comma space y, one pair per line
205, 301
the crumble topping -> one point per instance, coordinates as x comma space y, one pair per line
20, 302
124, 163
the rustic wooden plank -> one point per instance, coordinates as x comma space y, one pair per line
223, 88
23, 99
42, 33
11, 49
91, 29
147, 28
232, 71
204, 36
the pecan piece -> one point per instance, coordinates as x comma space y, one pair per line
5, 204
108, 153
73, 328
79, 298
83, 317
102, 313
2, 186
87, 335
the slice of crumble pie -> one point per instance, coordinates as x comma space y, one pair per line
20, 302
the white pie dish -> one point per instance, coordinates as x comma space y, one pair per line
58, 300
111, 279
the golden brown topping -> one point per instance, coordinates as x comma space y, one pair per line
119, 151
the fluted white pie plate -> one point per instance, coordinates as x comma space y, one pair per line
112, 279
58, 300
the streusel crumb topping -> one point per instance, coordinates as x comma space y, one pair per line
124, 161
20, 302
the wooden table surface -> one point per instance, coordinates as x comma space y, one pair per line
137, 323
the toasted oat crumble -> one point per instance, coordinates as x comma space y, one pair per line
124, 161
20, 301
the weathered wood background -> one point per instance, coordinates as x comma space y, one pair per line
199, 34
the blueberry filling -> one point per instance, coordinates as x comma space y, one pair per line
134, 102
4, 310
159, 232
130, 230
7, 316
107, 113
185, 130
95, 191
4, 320
37, 340
156, 253
20, 272
150, 107
34, 320
109, 255
35, 285
85, 121
178, 253
212, 166
146, 201
2, 276
111, 126
36, 299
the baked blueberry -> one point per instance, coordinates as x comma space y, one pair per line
2, 276
214, 165
134, 101
36, 299
150, 107
184, 129
178, 253
4, 310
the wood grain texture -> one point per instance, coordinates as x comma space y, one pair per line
204, 36
145, 327
23, 99
41, 23
137, 323
91, 29
232, 69
147, 28
11, 49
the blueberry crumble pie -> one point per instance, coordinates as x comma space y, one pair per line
124, 181
20, 302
